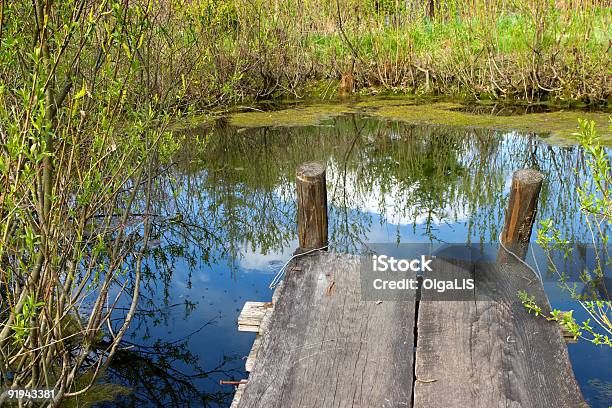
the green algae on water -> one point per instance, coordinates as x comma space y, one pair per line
386, 102
558, 127
301, 116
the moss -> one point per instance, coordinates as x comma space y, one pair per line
558, 126
301, 116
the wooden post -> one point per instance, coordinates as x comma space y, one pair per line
521, 211
311, 206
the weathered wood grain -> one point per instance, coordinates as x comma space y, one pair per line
256, 316
327, 348
324, 347
522, 205
252, 315
263, 328
489, 352
521, 211
250, 361
311, 191
237, 396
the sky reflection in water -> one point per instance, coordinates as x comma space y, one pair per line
387, 182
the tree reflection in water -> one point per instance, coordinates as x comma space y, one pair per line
230, 193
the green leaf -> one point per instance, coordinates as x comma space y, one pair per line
81, 93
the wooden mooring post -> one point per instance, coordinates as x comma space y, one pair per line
521, 212
311, 206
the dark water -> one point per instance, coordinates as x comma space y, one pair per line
232, 190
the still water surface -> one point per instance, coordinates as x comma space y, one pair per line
228, 225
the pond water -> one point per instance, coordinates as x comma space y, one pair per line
228, 225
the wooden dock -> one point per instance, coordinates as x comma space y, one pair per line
320, 344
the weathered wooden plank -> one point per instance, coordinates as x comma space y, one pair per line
250, 361
327, 348
255, 308
237, 396
490, 352
277, 292
252, 314
263, 328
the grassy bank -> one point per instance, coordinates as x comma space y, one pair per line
522, 50
207, 53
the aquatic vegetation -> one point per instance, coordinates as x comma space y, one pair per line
300, 116
558, 126
377, 103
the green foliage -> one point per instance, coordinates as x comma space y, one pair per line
584, 330
23, 320
76, 143
196, 54
595, 197
530, 303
